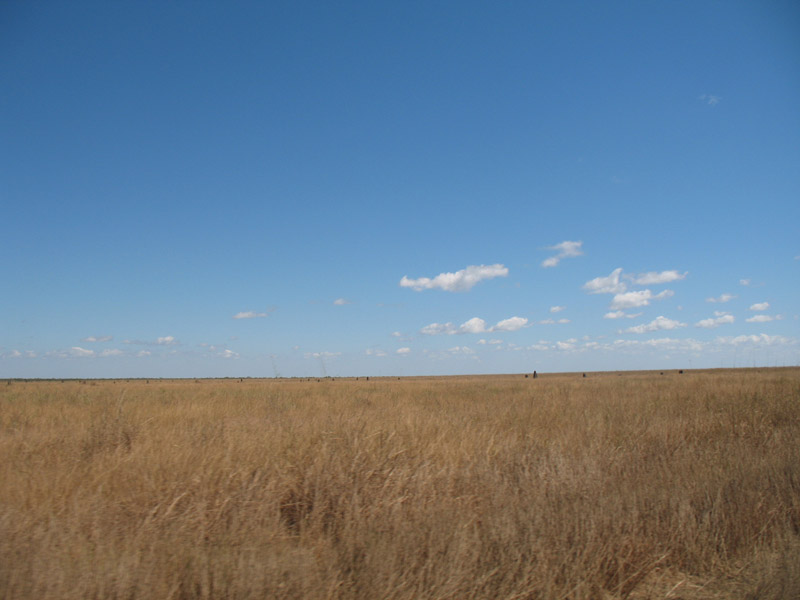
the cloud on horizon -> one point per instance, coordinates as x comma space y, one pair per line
99, 338
474, 325
657, 324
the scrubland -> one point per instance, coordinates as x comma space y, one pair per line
636, 485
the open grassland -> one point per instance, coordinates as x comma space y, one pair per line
637, 485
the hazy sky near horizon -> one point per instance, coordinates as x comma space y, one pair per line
355, 188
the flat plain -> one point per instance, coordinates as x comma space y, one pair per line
614, 485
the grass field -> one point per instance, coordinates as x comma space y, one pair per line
636, 485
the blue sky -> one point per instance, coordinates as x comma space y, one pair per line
242, 189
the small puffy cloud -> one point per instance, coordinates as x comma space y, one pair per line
759, 306
565, 249
228, 354
745, 282
757, 340
657, 324
710, 99
341, 302
403, 351
322, 354
80, 352
439, 329
557, 309
375, 352
763, 318
512, 324
655, 278
606, 285
474, 325
250, 314
719, 319
461, 350
563, 321
397, 334
167, 340
721, 298
18, 354
460, 281
637, 299
111, 352
143, 353
483, 342
99, 338
620, 314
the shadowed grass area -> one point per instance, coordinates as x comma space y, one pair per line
638, 485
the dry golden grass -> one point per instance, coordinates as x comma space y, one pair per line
639, 485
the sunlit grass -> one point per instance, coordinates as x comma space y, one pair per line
638, 485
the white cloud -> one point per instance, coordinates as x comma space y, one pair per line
101, 338
249, 314
461, 350
657, 324
460, 281
483, 342
719, 319
654, 278
167, 340
80, 352
710, 99
403, 351
744, 282
763, 318
606, 285
143, 353
512, 324
565, 249
556, 309
341, 302
111, 352
619, 314
374, 352
722, 298
637, 299
759, 340
439, 329
397, 334
228, 354
474, 325
322, 354
18, 354
563, 321
760, 306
